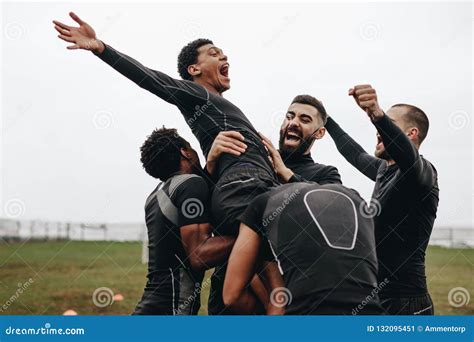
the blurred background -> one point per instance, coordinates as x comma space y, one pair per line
72, 186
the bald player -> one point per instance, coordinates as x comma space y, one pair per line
406, 196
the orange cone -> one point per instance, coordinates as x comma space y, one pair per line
118, 297
70, 313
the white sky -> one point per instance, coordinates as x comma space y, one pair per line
60, 163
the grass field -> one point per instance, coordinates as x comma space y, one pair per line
65, 274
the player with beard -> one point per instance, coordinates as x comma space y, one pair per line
303, 125
405, 198
204, 70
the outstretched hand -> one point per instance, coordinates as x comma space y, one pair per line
82, 37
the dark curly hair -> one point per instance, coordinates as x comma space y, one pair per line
161, 152
312, 101
189, 55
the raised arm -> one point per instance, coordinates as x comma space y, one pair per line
397, 144
352, 151
177, 92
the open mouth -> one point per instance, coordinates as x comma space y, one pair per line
224, 70
292, 137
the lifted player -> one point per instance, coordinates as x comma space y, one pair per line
205, 72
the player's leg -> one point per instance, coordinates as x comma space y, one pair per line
230, 198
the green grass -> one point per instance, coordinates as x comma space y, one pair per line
448, 268
66, 273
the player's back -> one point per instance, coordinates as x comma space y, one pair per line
172, 284
325, 248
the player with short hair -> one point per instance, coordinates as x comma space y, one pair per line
303, 124
405, 198
177, 213
205, 71
322, 245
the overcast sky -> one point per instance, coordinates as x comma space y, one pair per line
72, 126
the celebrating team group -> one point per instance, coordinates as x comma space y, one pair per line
282, 232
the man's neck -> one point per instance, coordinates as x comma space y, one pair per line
209, 87
186, 170
294, 157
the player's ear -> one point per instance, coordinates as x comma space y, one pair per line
320, 133
194, 70
185, 153
413, 133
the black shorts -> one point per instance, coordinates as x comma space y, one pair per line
171, 293
215, 304
234, 191
421, 305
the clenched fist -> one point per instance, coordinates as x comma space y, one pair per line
366, 98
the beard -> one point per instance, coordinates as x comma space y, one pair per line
288, 153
